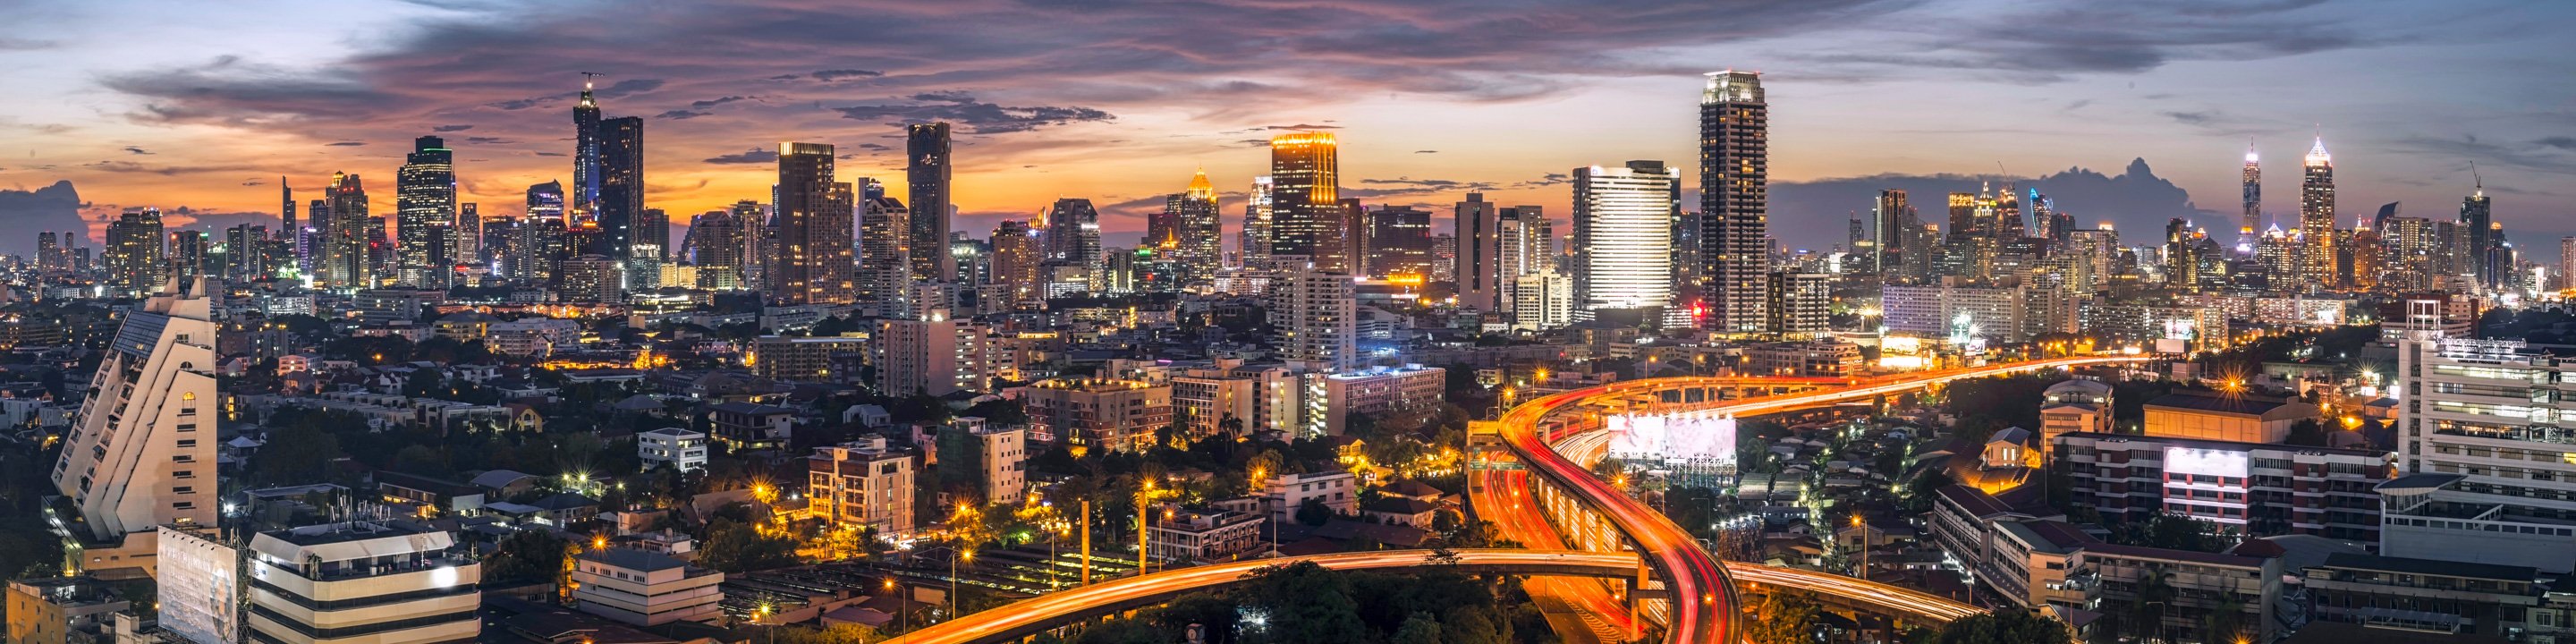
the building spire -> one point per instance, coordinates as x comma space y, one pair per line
2481, 181
2250, 157
586, 100
2317, 153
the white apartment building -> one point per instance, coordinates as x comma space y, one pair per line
645, 588
1798, 303
861, 483
1623, 236
1195, 537
1317, 318
937, 355
2487, 455
533, 336
1003, 453
1541, 301
1285, 493
1994, 314
1379, 390
393, 582
141, 453
680, 448
1262, 397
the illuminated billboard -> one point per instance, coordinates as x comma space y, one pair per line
200, 582
1673, 436
2207, 462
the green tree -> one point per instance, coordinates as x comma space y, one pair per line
736, 547
531, 555
1306, 603
1418, 629
2004, 627
1783, 617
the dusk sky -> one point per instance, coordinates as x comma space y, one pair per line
204, 105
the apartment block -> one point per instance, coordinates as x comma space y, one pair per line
390, 582
2246, 487
1114, 415
141, 452
2488, 455
862, 483
937, 356
645, 588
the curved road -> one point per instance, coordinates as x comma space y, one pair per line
1703, 607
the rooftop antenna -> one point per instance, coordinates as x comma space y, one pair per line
586, 76
2481, 181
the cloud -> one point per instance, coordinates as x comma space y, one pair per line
345, 143
944, 97
2560, 142
451, 128
2545, 155
137, 150
754, 155
873, 146
985, 118
1304, 126
2095, 38
842, 74
787, 77
1426, 151
717, 101
1254, 143
23, 44
619, 89
551, 154
488, 140
682, 114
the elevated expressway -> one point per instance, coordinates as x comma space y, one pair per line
1699, 591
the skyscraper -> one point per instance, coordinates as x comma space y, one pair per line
1526, 244
543, 232
814, 259
1480, 268
2566, 263
1258, 208
1197, 236
715, 246
621, 187
1073, 237
1316, 314
2316, 218
585, 150
49, 256
1399, 243
286, 205
424, 197
1623, 238
2252, 221
2477, 219
345, 262
653, 226
886, 255
469, 233
1308, 222
1016, 257
1890, 216
1734, 157
759, 239
189, 251
929, 170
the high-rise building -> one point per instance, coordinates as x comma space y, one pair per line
1195, 232
1734, 158
2316, 217
2004, 215
653, 226
1399, 243
590, 278
585, 151
1073, 237
1258, 210
1317, 316
1623, 238
929, 169
344, 262
424, 197
885, 273
2476, 217
1480, 270
2251, 223
1891, 220
759, 241
715, 246
142, 451
1797, 302
1308, 221
544, 232
936, 355
395, 581
813, 261
2566, 263
49, 256
1541, 301
1016, 257
1526, 243
469, 233
2478, 485
621, 187
135, 257
189, 251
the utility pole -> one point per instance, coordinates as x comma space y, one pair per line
1143, 496
1086, 541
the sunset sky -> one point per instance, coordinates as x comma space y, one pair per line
205, 105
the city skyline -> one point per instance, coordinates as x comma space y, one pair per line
2169, 103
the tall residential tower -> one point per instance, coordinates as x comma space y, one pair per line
1734, 180
929, 170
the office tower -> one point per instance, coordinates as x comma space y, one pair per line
1797, 303
2252, 220
544, 229
396, 581
813, 261
715, 246
1016, 257
2005, 215
343, 263
2386, 210
1195, 231
1399, 247
143, 452
590, 278
1525, 244
1963, 214
188, 253
1355, 236
929, 170
1541, 301
974, 260
1623, 237
1444, 258
2316, 217
758, 238
2485, 488
620, 209
424, 196
469, 233
653, 226
1317, 316
2060, 225
585, 152
2043, 214
1257, 215
1073, 237
936, 354
1479, 266
49, 257
1890, 221
380, 252
2477, 219
286, 203
1308, 223
134, 254
1734, 158
885, 274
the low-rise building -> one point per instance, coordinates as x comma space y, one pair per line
679, 448
1114, 415
2283, 489
532, 336
1001, 453
2242, 418
1194, 537
1376, 391
1820, 358
864, 484
50, 610
2426, 594
804, 359
1337, 490
644, 588
743, 425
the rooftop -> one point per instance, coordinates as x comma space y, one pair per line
2143, 552
2237, 406
632, 559
2362, 561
